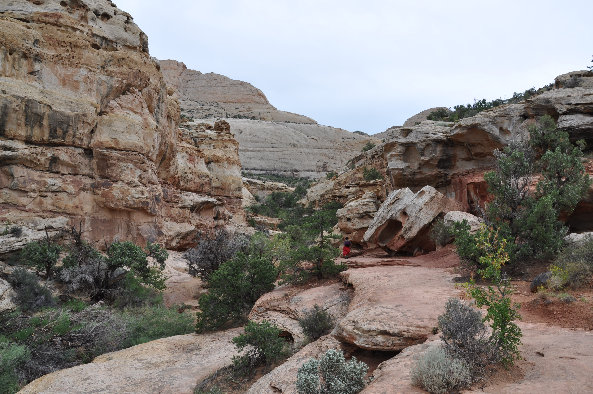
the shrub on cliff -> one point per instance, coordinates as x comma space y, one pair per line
316, 323
262, 344
234, 288
331, 374
43, 255
211, 251
371, 174
526, 216
30, 294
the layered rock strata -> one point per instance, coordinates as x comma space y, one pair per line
270, 141
88, 131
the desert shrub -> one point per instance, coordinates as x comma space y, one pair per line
43, 255
150, 323
573, 266
211, 252
234, 288
262, 344
316, 323
30, 294
501, 312
331, 174
438, 372
369, 145
370, 174
441, 233
464, 336
11, 356
127, 273
331, 374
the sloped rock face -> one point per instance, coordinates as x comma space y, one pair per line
211, 95
262, 189
270, 141
423, 115
403, 221
167, 365
88, 130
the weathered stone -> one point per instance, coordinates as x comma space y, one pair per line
394, 307
6, 295
33, 229
167, 365
474, 222
357, 215
89, 130
262, 189
403, 221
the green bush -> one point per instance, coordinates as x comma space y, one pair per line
234, 288
437, 372
331, 374
573, 266
30, 294
371, 174
369, 145
316, 323
43, 255
263, 345
11, 357
501, 313
331, 175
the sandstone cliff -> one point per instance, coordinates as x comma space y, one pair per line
270, 140
89, 131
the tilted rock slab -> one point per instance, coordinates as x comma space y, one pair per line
394, 307
89, 131
403, 221
167, 365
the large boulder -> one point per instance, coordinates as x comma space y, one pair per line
473, 221
89, 130
357, 215
167, 365
394, 307
403, 222
6, 295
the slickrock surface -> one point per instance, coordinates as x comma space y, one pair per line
286, 305
563, 365
269, 140
168, 365
403, 221
88, 131
394, 307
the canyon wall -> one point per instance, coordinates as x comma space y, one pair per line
89, 132
270, 141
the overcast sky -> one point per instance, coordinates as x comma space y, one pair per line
368, 65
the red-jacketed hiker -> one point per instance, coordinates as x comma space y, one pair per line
346, 248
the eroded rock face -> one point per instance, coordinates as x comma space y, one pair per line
403, 221
262, 189
88, 130
270, 141
167, 365
6, 296
394, 307
357, 215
